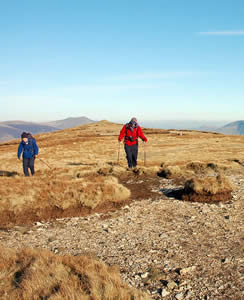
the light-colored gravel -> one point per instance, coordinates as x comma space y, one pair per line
170, 248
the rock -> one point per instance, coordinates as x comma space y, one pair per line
187, 270
145, 275
105, 226
22, 229
137, 277
172, 285
39, 224
165, 293
179, 296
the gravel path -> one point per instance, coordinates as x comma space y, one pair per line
170, 248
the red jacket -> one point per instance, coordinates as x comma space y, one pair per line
137, 132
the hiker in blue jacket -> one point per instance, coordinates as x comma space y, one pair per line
30, 151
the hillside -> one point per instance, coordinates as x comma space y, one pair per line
82, 201
12, 129
69, 122
235, 128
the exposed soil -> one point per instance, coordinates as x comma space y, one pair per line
10, 219
206, 197
142, 186
148, 190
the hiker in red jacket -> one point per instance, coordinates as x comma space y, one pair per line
130, 132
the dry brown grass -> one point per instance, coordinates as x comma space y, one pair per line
33, 274
46, 195
184, 171
83, 161
208, 189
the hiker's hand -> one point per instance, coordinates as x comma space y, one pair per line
35, 156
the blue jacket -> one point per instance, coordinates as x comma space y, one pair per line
29, 150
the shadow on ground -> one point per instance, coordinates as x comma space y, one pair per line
8, 174
173, 193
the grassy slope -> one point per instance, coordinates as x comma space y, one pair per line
75, 185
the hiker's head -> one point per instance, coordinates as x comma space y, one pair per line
133, 122
24, 137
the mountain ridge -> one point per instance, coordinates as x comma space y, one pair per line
233, 128
12, 129
69, 122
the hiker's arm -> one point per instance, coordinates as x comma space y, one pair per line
122, 133
141, 135
20, 149
36, 149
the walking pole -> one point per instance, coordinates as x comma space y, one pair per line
118, 153
144, 155
44, 162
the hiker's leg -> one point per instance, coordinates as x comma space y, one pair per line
25, 166
128, 152
31, 165
134, 155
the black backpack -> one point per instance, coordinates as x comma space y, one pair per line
30, 137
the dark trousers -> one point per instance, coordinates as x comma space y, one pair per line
28, 163
131, 155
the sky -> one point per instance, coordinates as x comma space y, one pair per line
107, 59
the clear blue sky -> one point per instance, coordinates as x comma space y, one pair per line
108, 59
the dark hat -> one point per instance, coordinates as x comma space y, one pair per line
24, 135
133, 119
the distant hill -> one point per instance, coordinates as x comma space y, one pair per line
12, 129
235, 128
69, 122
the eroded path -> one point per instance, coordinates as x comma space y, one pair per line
171, 248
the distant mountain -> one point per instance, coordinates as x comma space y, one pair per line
8, 132
12, 129
69, 122
234, 128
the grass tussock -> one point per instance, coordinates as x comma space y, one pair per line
48, 195
208, 189
188, 170
119, 170
33, 274
103, 189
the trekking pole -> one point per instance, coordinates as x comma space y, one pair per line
144, 155
44, 162
118, 153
